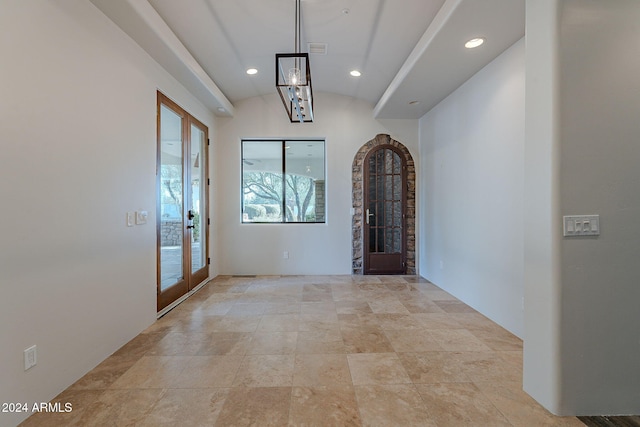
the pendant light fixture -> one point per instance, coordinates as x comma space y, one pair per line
293, 79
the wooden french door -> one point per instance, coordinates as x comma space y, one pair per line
385, 186
182, 202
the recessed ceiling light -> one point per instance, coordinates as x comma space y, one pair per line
355, 73
474, 43
252, 71
221, 110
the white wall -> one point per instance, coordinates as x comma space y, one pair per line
472, 159
600, 173
78, 140
582, 345
346, 124
542, 228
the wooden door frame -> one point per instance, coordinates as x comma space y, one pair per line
180, 288
403, 198
190, 281
358, 200
201, 275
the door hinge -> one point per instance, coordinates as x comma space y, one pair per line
208, 141
208, 181
208, 261
208, 221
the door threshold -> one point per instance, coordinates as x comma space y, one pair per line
181, 299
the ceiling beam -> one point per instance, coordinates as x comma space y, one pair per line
439, 21
147, 28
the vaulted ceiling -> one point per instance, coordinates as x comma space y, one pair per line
410, 52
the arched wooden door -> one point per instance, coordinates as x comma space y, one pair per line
385, 201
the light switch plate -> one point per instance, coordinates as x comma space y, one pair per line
130, 219
581, 225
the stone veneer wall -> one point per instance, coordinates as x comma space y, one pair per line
358, 196
171, 232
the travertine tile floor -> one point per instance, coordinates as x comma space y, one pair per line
311, 351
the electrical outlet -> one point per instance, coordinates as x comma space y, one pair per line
30, 357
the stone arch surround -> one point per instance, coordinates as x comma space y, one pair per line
357, 201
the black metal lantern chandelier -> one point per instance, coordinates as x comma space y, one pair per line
293, 80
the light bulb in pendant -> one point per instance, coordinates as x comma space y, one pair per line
294, 76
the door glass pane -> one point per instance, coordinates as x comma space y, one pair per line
397, 240
385, 202
171, 201
397, 214
397, 187
379, 188
388, 214
372, 239
388, 161
388, 240
197, 214
380, 162
397, 164
388, 187
371, 185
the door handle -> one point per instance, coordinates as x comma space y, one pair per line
191, 226
369, 215
190, 214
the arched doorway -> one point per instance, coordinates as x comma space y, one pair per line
383, 193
